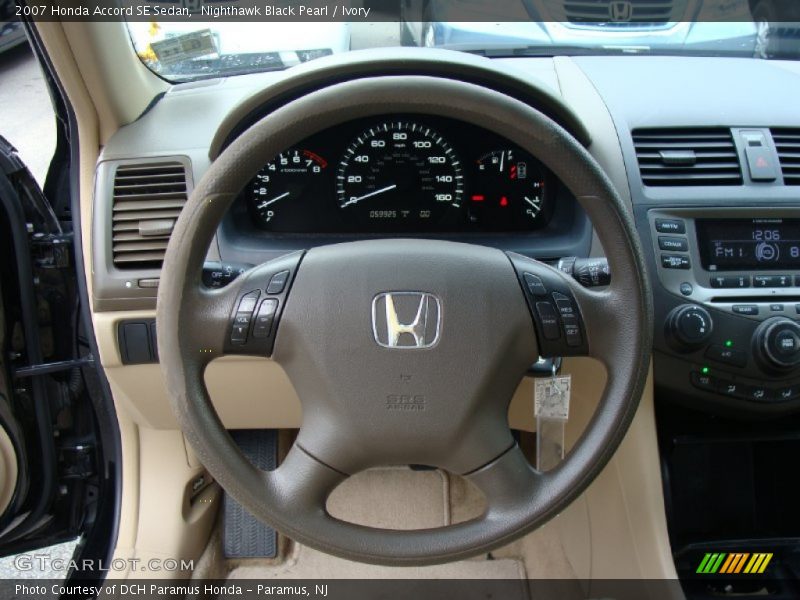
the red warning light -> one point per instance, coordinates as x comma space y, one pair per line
513, 172
503, 201
478, 198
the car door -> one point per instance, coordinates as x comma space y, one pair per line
59, 438
48, 450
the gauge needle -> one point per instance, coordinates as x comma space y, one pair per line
273, 201
365, 196
502, 159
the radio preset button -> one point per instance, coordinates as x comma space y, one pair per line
730, 281
670, 226
676, 244
769, 281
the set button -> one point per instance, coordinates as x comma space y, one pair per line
730, 281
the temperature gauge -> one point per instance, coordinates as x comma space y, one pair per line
508, 191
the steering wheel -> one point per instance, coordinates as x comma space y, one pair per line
403, 351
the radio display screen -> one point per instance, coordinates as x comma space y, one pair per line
755, 244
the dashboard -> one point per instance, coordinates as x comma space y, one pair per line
402, 174
701, 174
722, 250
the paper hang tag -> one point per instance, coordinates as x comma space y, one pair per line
551, 398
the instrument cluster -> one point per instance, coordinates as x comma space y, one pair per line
402, 174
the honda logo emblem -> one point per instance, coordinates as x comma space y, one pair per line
620, 11
406, 320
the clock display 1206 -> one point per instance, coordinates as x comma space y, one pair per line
400, 175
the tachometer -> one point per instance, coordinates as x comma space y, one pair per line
400, 176
276, 191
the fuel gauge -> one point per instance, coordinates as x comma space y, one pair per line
508, 191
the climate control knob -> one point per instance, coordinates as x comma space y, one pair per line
689, 326
776, 343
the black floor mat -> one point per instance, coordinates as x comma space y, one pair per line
244, 535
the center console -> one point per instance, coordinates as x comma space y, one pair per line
727, 330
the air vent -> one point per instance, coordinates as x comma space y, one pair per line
147, 200
687, 157
787, 141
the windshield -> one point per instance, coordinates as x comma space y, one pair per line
203, 41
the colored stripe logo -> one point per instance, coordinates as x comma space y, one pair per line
734, 563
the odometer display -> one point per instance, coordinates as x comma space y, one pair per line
400, 176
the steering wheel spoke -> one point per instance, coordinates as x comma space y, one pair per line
241, 318
302, 482
506, 481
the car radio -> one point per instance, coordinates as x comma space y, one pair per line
728, 330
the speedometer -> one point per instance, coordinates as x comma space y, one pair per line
400, 176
